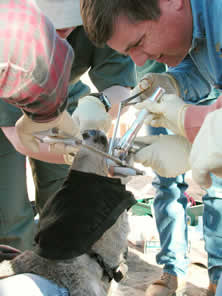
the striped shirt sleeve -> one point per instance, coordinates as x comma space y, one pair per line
35, 63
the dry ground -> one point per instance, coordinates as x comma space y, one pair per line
143, 268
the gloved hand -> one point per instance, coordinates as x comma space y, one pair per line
169, 112
69, 158
91, 114
152, 81
69, 152
26, 130
167, 155
206, 152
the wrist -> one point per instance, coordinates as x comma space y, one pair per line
173, 83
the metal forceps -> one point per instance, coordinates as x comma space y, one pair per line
52, 136
125, 143
122, 104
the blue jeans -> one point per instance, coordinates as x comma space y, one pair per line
219, 287
170, 212
212, 226
30, 284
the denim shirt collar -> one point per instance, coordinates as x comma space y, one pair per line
198, 28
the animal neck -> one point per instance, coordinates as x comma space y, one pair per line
89, 162
113, 243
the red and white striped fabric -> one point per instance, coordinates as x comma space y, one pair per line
35, 62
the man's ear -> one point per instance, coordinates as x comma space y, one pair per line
176, 5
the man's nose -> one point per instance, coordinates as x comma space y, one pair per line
139, 58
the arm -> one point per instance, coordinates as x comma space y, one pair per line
34, 63
35, 68
44, 154
206, 152
193, 86
195, 116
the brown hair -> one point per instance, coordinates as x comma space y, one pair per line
99, 16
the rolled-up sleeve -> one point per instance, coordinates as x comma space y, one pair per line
195, 116
193, 86
35, 63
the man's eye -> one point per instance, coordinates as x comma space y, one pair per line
139, 43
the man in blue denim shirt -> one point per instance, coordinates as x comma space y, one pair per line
187, 36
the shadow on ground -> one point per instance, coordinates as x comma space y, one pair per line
143, 271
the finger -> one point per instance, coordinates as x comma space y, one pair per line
71, 149
157, 122
145, 104
68, 159
68, 125
145, 84
152, 119
144, 156
56, 148
61, 148
153, 107
136, 90
147, 139
30, 142
149, 118
156, 107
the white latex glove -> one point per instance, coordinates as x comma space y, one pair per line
91, 114
206, 152
167, 155
152, 81
169, 112
26, 130
68, 158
